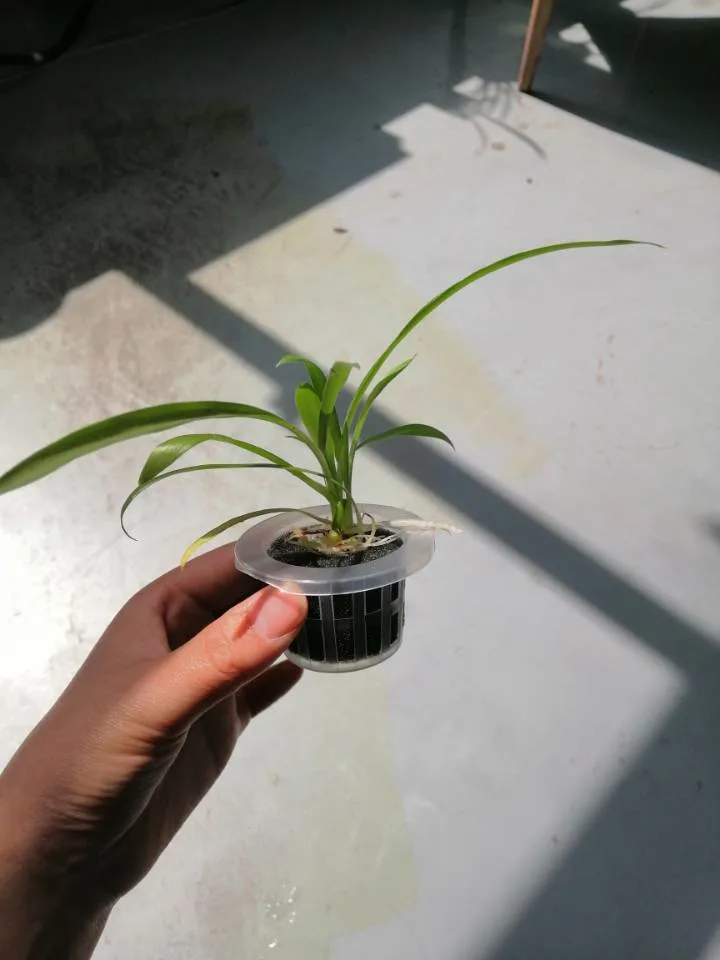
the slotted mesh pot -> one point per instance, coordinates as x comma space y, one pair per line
356, 613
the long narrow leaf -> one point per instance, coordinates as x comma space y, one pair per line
168, 452
329, 427
433, 304
308, 408
409, 430
333, 439
141, 487
339, 373
125, 427
374, 394
316, 374
234, 521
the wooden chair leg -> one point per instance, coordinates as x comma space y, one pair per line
534, 40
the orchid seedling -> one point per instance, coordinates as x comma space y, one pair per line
333, 440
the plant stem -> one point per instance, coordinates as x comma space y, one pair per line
342, 516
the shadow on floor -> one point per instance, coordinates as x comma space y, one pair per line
663, 83
712, 528
149, 163
642, 881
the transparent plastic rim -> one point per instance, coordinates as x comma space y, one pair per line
252, 557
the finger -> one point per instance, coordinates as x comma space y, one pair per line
267, 688
211, 580
228, 653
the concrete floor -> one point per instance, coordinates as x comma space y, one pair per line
535, 776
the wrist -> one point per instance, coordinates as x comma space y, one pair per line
44, 913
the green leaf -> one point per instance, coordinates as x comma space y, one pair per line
436, 301
234, 521
308, 408
329, 436
166, 453
409, 430
333, 438
316, 374
374, 394
339, 373
141, 487
125, 427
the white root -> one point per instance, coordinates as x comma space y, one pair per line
421, 526
360, 542
380, 542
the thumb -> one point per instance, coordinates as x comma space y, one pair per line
228, 653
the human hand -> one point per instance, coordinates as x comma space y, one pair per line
104, 782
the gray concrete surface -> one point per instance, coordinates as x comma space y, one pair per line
535, 776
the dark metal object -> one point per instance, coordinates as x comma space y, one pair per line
70, 34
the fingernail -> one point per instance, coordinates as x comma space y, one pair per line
277, 614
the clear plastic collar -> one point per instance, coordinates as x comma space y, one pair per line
252, 557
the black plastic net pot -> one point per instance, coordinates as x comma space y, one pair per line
356, 604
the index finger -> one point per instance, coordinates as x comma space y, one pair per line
211, 579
